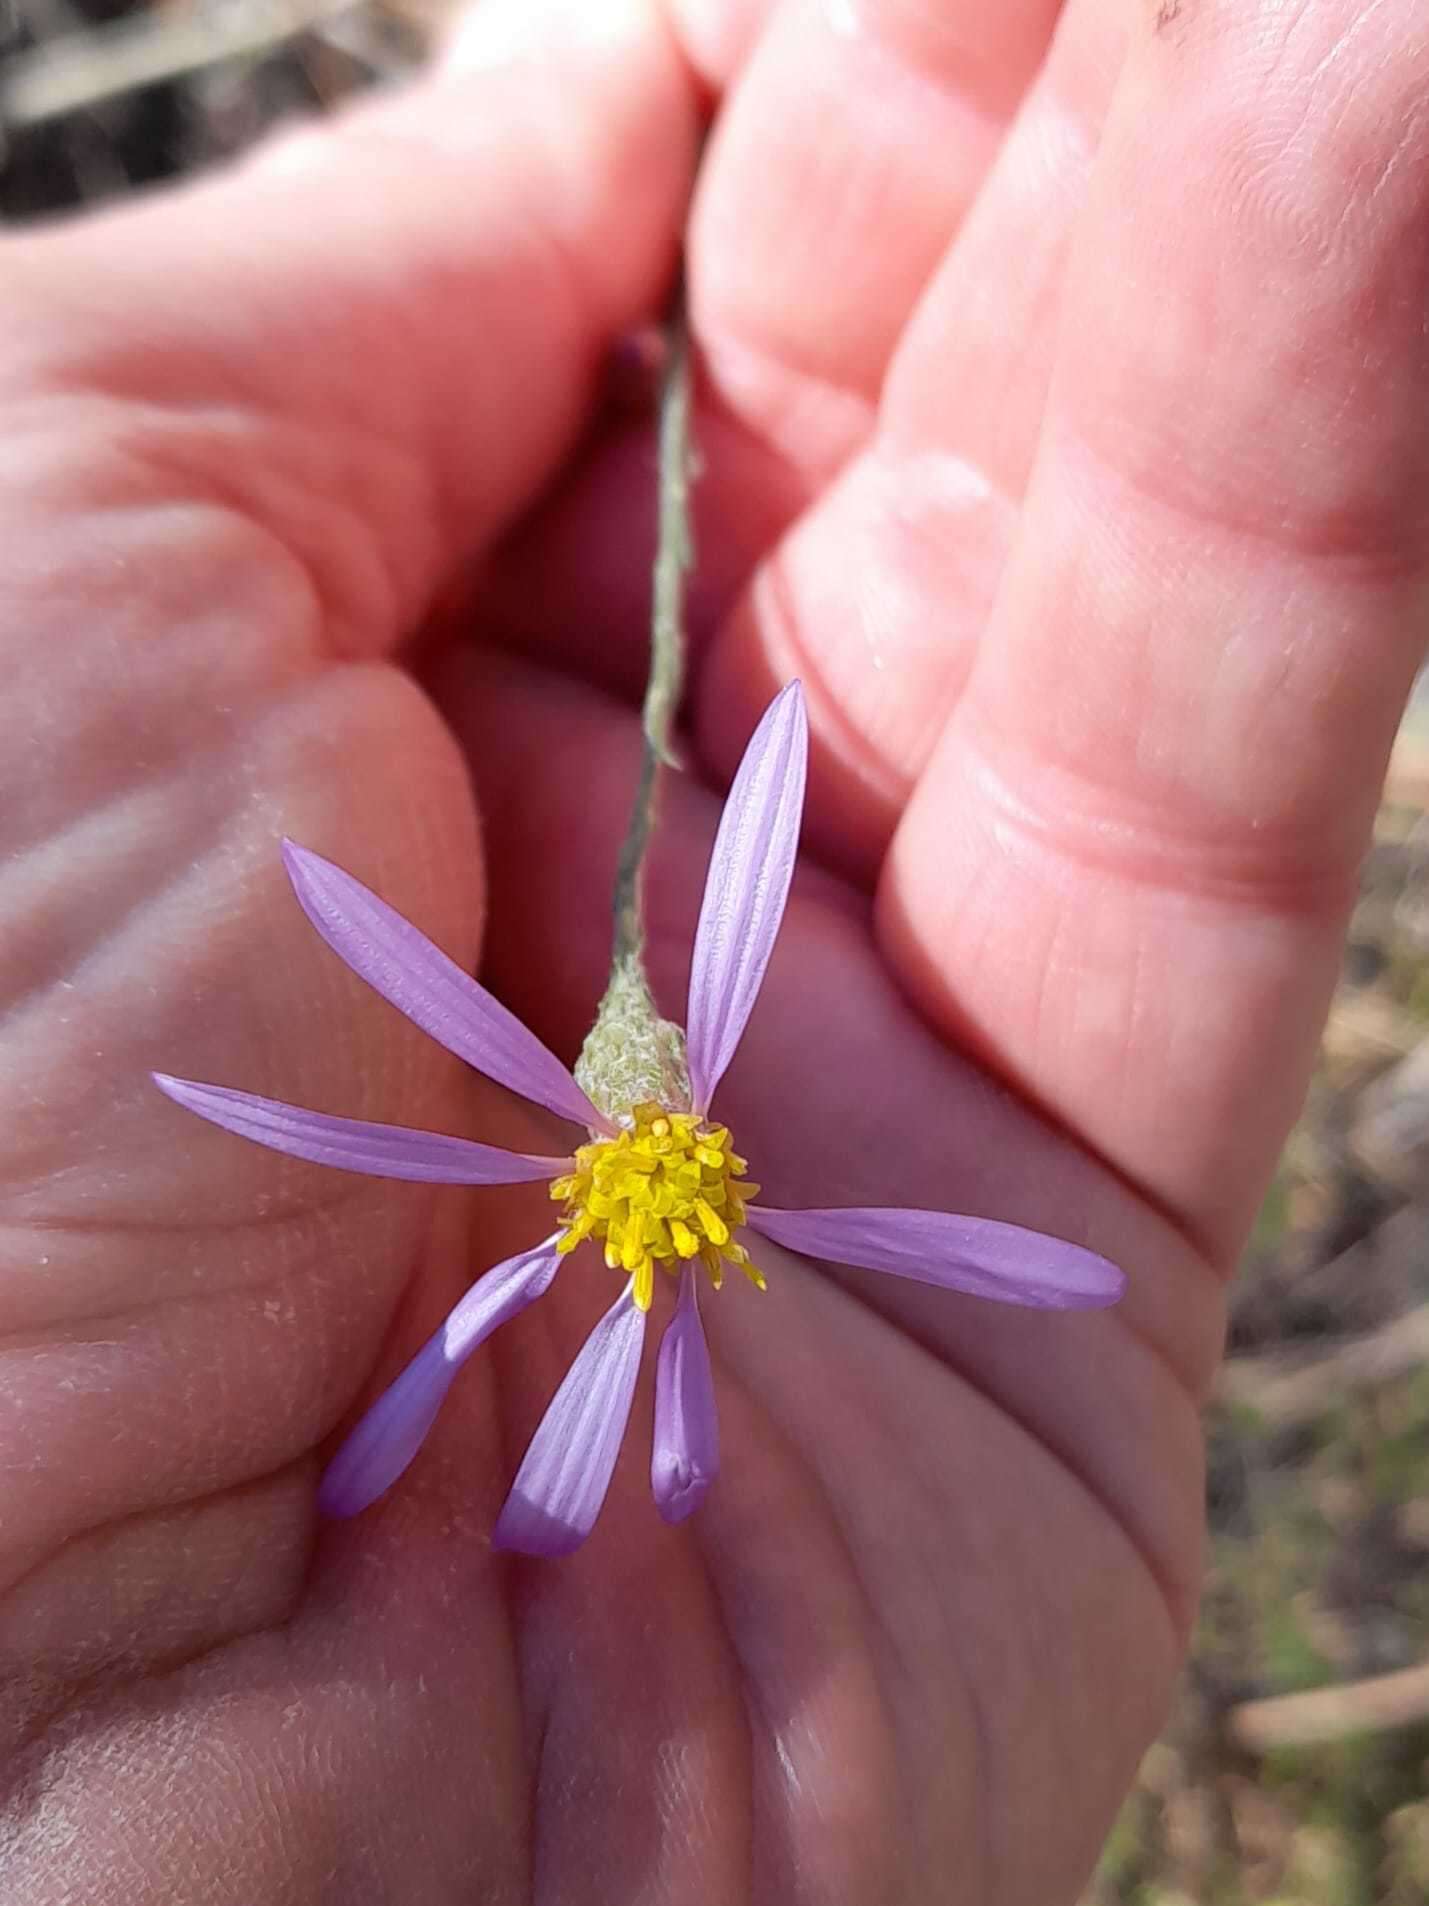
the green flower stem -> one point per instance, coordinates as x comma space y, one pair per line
674, 555
631, 1054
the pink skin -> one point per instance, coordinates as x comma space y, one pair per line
1083, 481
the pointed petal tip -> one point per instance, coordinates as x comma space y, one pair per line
790, 707
294, 853
297, 860
309, 873
192, 1094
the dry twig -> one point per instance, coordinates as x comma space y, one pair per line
1285, 1392
1332, 1714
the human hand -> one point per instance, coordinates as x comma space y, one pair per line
1085, 491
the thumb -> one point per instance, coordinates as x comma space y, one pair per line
375, 338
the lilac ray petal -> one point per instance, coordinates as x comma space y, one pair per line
400, 962
394, 1429
564, 1475
352, 1144
684, 1460
745, 889
977, 1255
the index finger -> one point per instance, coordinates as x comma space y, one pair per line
1125, 874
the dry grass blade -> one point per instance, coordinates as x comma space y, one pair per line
84, 70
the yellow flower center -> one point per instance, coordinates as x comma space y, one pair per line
666, 1188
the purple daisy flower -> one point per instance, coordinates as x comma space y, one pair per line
658, 1184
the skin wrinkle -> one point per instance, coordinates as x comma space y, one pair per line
557, 1777
156, 451
1390, 169
873, 1614
788, 644
121, 813
357, 590
114, 1671
320, 1211
739, 371
1334, 541
404, 1587
1343, 42
140, 905
326, 1197
1193, 1257
234, 552
318, 1208
1274, 193
174, 1492
1075, 821
1140, 1024
779, 627
319, 1204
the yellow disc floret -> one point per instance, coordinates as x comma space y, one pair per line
666, 1188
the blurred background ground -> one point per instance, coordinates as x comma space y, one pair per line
99, 97
1295, 1768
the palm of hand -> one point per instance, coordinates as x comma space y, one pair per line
924, 1624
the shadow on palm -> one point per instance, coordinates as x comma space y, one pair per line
913, 1611
855, 1660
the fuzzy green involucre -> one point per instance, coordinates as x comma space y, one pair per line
631, 1054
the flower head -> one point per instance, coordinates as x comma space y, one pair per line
667, 1188
657, 1184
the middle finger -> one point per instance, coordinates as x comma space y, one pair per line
877, 595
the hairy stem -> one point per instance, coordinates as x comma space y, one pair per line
674, 554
